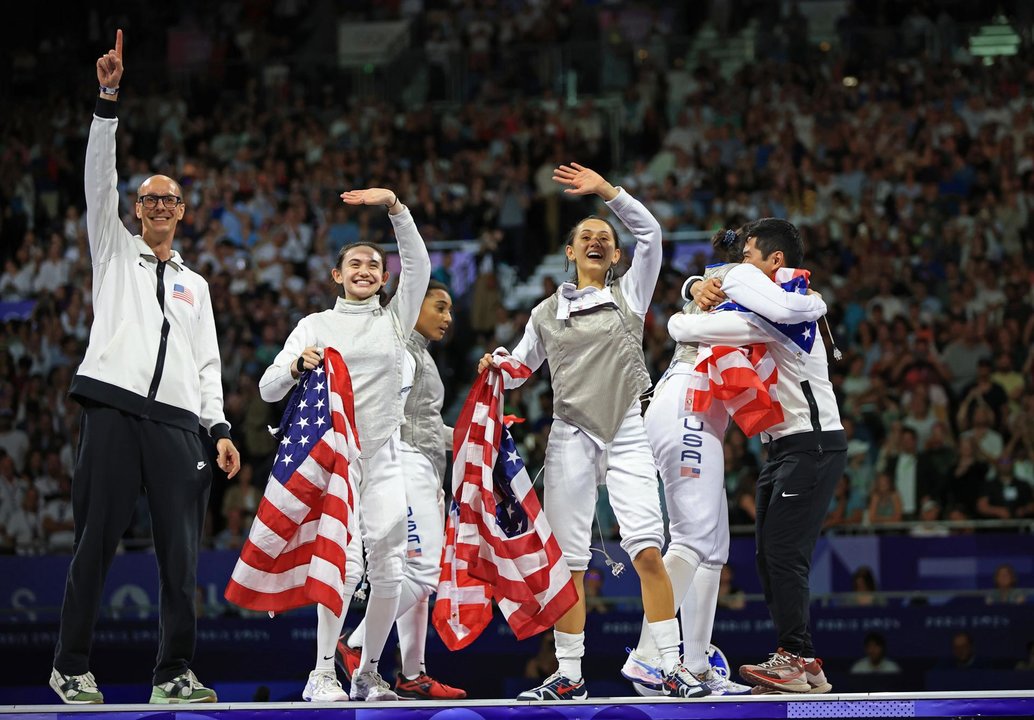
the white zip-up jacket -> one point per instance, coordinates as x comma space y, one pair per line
153, 350
803, 387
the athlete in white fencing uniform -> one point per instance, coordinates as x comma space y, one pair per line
591, 334
688, 451
371, 338
425, 438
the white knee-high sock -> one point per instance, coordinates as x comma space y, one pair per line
570, 648
681, 567
412, 629
410, 594
328, 630
698, 621
666, 637
380, 616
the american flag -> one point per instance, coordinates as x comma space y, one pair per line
498, 544
802, 335
295, 552
183, 293
744, 379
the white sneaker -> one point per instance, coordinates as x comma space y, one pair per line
644, 673
721, 685
323, 686
76, 689
371, 687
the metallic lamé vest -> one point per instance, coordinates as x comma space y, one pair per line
596, 360
423, 427
687, 352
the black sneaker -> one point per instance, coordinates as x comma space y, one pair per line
556, 687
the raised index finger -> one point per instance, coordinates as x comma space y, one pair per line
118, 43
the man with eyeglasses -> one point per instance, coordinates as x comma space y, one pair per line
149, 380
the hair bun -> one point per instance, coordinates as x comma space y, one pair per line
729, 239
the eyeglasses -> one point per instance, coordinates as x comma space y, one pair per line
168, 201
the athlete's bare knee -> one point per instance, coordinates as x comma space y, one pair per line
649, 562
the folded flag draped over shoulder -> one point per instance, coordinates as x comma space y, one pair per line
744, 379
498, 544
295, 552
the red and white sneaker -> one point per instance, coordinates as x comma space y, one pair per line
425, 687
783, 671
817, 682
348, 659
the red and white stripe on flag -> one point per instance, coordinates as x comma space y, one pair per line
743, 380
521, 567
295, 552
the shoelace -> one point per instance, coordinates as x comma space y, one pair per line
776, 660
327, 681
376, 680
81, 683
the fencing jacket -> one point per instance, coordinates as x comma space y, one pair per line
803, 387
370, 338
422, 427
153, 350
593, 338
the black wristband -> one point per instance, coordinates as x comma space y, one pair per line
396, 201
106, 108
300, 364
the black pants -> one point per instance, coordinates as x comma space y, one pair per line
794, 490
118, 455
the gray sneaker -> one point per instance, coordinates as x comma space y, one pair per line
185, 688
370, 686
76, 689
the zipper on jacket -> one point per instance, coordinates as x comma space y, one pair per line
159, 365
813, 408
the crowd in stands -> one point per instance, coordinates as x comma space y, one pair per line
912, 184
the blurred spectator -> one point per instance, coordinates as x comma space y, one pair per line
986, 391
730, 596
21, 531
544, 662
58, 529
884, 501
934, 466
929, 521
875, 660
846, 508
968, 479
1005, 591
243, 496
594, 602
13, 440
232, 536
1005, 497
863, 588
963, 654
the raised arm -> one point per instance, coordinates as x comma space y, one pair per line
641, 279
416, 264
748, 286
104, 228
638, 283
721, 328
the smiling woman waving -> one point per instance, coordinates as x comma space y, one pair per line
591, 333
371, 338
